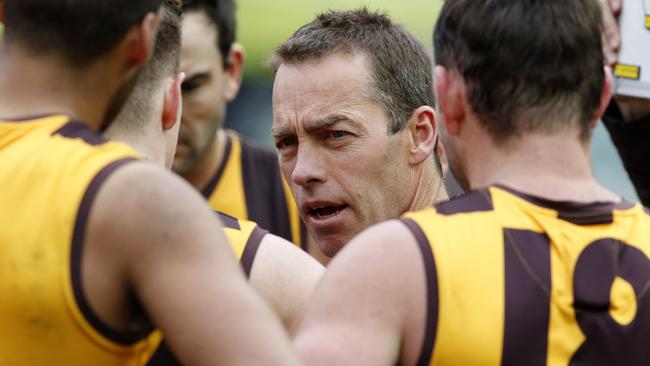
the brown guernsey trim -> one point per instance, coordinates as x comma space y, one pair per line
593, 213
250, 251
78, 238
266, 202
79, 130
214, 181
228, 221
474, 201
431, 325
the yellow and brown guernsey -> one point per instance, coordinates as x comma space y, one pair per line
245, 238
514, 279
248, 185
52, 168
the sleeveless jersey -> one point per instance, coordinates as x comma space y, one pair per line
244, 238
249, 186
514, 279
52, 167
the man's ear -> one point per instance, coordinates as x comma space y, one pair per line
450, 96
605, 96
423, 132
234, 71
172, 104
140, 40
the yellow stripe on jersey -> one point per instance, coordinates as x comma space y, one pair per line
297, 227
536, 281
48, 165
228, 196
647, 21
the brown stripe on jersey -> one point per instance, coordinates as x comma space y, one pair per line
78, 238
593, 213
253, 243
527, 297
431, 325
228, 221
214, 181
304, 237
75, 129
474, 201
265, 199
163, 356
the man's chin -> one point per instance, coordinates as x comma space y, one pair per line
332, 244
182, 165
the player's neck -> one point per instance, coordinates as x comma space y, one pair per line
214, 156
43, 85
149, 142
556, 167
430, 188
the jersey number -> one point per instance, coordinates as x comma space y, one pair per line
616, 327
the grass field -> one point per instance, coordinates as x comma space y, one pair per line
264, 25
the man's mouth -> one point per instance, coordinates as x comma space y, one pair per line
321, 212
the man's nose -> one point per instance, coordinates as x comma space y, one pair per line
310, 167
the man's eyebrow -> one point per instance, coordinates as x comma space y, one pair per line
312, 126
281, 131
196, 76
329, 121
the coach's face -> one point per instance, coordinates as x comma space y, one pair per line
345, 170
204, 90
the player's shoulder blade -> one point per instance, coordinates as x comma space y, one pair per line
52, 167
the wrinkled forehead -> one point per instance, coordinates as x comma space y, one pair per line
312, 88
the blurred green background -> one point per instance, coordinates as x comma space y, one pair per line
264, 25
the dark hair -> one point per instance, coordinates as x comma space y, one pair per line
400, 68
222, 14
79, 30
164, 63
529, 65
166, 55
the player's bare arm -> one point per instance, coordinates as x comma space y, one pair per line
370, 305
162, 243
285, 276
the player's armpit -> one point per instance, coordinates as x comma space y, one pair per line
370, 306
285, 276
176, 259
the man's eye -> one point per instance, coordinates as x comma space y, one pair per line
285, 142
189, 87
337, 134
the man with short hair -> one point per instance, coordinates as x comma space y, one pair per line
236, 176
98, 248
354, 124
539, 264
283, 274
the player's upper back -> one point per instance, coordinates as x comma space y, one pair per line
51, 169
522, 280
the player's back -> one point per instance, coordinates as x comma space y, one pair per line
517, 279
52, 168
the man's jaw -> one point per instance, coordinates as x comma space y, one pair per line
329, 223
